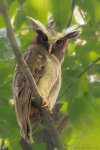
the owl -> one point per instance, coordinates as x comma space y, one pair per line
44, 58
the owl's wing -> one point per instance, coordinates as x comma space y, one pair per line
54, 92
49, 83
22, 95
27, 115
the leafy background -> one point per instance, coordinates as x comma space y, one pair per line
82, 101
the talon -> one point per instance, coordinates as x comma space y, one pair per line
46, 104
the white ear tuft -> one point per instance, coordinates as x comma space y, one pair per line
70, 29
37, 25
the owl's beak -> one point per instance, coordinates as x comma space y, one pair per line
50, 47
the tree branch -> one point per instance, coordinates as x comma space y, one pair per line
82, 73
72, 11
61, 122
47, 121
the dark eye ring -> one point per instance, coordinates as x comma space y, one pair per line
59, 42
44, 38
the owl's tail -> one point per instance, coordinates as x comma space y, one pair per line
31, 124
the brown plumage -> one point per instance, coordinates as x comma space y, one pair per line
44, 58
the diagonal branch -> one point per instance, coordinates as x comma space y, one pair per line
89, 66
48, 123
82, 73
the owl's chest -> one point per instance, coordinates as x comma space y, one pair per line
43, 66
45, 69
36, 63
51, 73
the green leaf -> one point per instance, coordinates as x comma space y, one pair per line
13, 8
5, 83
6, 91
82, 54
21, 2
8, 122
87, 6
97, 8
81, 112
10, 2
1, 21
39, 9
19, 19
61, 11
6, 52
95, 89
14, 142
26, 40
8, 115
34, 9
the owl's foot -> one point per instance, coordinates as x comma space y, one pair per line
46, 104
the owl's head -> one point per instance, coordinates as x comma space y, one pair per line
54, 42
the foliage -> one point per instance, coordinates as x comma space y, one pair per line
81, 101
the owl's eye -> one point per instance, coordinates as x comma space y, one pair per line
44, 38
59, 42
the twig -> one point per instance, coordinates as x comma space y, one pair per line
82, 73
72, 11
88, 67
48, 123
